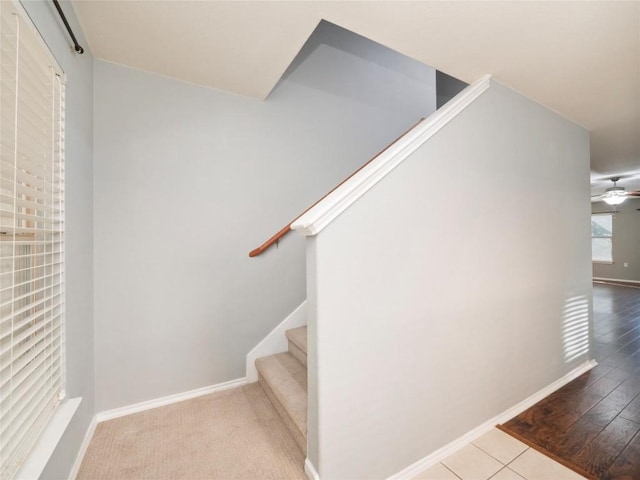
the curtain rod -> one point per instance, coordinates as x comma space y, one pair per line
76, 45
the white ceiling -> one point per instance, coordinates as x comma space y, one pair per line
580, 58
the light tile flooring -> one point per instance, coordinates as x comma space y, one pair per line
497, 456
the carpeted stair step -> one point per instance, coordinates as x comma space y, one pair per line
297, 338
284, 379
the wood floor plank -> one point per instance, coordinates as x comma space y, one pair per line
573, 441
614, 403
632, 411
594, 393
599, 454
627, 465
620, 374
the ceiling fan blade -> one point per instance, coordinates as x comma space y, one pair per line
635, 193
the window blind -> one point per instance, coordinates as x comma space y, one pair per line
32, 382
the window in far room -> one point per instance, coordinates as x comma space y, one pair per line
602, 238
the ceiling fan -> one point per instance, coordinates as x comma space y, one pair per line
616, 195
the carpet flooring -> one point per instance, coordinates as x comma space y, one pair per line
235, 434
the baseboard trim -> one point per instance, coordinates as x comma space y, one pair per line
168, 400
83, 449
617, 281
310, 470
440, 454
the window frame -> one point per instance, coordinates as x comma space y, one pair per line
38, 182
603, 262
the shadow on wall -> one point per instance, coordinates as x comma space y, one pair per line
447, 87
575, 327
368, 52
337, 48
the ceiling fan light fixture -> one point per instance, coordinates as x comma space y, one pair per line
614, 195
614, 198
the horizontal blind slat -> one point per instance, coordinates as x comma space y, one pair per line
35, 424
34, 194
38, 253
43, 207
28, 378
37, 279
25, 240
17, 393
23, 413
24, 334
25, 444
18, 325
24, 352
25, 161
30, 306
29, 180
9, 78
26, 217
17, 358
56, 287
30, 134
38, 271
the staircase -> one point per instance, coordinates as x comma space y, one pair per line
283, 377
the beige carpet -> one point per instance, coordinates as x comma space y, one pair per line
235, 434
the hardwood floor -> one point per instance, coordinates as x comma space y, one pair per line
592, 424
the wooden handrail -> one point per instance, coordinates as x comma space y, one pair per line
276, 238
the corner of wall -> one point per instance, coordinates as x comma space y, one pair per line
275, 341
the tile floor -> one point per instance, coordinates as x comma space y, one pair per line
497, 456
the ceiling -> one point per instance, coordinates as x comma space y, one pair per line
579, 58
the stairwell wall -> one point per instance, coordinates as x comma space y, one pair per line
456, 287
188, 180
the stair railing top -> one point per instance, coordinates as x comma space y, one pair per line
287, 228
338, 200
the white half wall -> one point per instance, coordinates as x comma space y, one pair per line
455, 288
275, 341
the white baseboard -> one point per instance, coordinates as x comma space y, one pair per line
275, 341
602, 279
161, 402
442, 453
83, 449
310, 470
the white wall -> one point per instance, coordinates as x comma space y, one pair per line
188, 180
438, 299
78, 224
